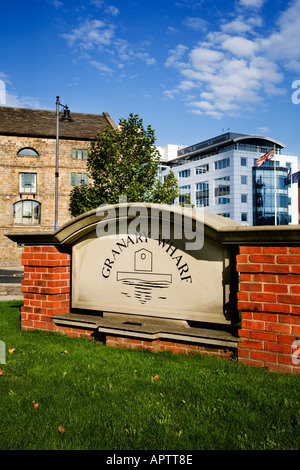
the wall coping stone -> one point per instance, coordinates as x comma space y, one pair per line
221, 229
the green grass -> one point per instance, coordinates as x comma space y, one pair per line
107, 398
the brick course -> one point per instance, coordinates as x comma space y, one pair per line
46, 287
269, 305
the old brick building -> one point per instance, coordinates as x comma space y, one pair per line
27, 169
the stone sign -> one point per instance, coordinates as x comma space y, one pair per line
139, 275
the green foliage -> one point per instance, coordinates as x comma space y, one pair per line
123, 162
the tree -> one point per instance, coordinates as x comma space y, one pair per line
123, 161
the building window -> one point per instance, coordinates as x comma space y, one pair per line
244, 198
27, 183
28, 152
79, 154
185, 194
264, 196
184, 174
202, 194
243, 161
244, 217
220, 164
27, 212
243, 179
200, 170
222, 190
79, 178
225, 214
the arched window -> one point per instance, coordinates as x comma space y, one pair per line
28, 151
27, 212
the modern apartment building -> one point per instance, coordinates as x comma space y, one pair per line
28, 167
222, 175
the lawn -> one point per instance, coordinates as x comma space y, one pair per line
60, 393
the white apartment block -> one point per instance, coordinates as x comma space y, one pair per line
221, 175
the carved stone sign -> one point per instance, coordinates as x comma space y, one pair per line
139, 275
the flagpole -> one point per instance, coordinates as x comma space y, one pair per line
275, 189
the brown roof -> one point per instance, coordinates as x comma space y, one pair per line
42, 123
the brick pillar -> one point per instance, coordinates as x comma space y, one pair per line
269, 301
46, 286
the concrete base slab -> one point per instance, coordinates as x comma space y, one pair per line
148, 328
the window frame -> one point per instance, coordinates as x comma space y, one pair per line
31, 152
32, 185
31, 218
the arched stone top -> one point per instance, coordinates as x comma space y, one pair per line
80, 226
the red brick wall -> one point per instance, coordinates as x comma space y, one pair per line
269, 300
45, 287
161, 345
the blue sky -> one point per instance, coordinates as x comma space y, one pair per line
192, 69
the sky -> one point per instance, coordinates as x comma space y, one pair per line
191, 69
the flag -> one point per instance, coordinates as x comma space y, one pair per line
296, 177
292, 178
287, 180
265, 157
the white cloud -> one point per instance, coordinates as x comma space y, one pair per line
205, 59
90, 34
175, 56
195, 23
11, 99
99, 46
101, 67
252, 3
56, 3
240, 46
236, 67
239, 26
2, 93
110, 9
284, 43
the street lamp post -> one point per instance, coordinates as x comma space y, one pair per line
65, 117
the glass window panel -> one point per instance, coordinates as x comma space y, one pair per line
27, 151
27, 212
27, 182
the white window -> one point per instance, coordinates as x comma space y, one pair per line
200, 170
27, 183
184, 174
27, 212
222, 190
220, 164
185, 194
202, 194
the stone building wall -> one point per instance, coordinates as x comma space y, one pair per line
13, 164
